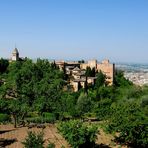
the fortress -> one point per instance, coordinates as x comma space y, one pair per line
76, 71
105, 66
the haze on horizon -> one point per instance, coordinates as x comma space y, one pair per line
78, 29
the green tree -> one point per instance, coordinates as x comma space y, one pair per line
51, 145
120, 80
106, 92
129, 119
3, 65
100, 81
18, 110
14, 109
102, 109
33, 83
78, 134
34, 140
88, 71
67, 104
93, 72
84, 104
3, 106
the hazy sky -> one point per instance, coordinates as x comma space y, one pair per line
75, 29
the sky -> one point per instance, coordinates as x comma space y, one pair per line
75, 29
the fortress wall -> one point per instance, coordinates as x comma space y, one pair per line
108, 70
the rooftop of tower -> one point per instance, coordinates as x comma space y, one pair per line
15, 51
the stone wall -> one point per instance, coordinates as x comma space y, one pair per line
108, 69
105, 66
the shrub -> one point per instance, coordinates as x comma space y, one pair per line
49, 117
35, 120
34, 140
4, 117
102, 109
84, 104
51, 145
78, 134
45, 118
131, 122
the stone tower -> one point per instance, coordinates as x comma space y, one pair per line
15, 55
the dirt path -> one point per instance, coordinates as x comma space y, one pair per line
50, 134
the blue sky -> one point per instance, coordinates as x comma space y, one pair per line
75, 29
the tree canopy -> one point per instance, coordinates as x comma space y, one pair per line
34, 92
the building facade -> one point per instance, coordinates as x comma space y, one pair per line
105, 66
15, 55
108, 69
76, 72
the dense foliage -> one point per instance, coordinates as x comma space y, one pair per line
3, 65
34, 92
90, 72
131, 122
31, 87
78, 134
4, 118
34, 140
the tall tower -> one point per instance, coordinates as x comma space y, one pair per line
15, 55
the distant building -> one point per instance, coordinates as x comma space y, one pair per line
91, 63
15, 55
108, 69
105, 66
78, 83
60, 64
76, 72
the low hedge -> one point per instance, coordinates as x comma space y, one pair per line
45, 118
4, 117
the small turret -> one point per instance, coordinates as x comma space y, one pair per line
15, 55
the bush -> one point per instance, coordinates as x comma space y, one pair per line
45, 118
78, 134
102, 109
34, 140
84, 104
35, 120
49, 117
131, 122
51, 145
4, 118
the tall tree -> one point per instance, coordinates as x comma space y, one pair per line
3, 65
101, 78
83, 104
88, 72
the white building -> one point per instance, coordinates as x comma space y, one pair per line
15, 55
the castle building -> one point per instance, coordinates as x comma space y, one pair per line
76, 72
91, 63
108, 69
105, 66
15, 55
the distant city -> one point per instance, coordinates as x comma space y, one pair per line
137, 73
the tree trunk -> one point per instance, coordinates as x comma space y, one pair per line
15, 120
